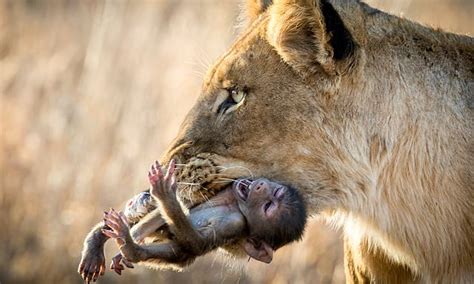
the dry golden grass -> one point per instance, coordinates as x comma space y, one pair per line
91, 92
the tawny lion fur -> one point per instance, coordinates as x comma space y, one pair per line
369, 115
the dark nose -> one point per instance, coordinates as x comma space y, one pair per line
260, 185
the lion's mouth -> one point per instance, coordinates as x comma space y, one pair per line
204, 175
242, 188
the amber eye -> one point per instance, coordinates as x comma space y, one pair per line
237, 95
234, 99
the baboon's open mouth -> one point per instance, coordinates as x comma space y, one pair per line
242, 188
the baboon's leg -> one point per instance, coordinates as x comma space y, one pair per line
147, 226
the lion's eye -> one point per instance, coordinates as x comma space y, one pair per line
237, 95
234, 99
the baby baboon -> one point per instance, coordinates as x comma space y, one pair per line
265, 214
260, 215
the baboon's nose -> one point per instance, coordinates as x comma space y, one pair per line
260, 185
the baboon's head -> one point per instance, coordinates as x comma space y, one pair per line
275, 215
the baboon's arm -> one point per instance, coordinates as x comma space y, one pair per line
213, 226
95, 239
159, 253
163, 189
93, 259
168, 252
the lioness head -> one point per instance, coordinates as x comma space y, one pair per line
267, 106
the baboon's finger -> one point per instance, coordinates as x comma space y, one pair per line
152, 179
158, 169
85, 272
114, 218
94, 269
114, 226
123, 223
110, 234
127, 263
95, 276
115, 266
107, 226
112, 213
118, 218
114, 263
80, 269
170, 170
173, 184
89, 275
172, 166
123, 218
102, 269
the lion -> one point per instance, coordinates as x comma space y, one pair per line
369, 115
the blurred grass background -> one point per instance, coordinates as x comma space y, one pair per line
91, 92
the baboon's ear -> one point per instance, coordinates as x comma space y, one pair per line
310, 35
256, 7
260, 251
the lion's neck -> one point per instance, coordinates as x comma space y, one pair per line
396, 145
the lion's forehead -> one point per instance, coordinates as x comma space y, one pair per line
244, 50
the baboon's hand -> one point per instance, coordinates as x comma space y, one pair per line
163, 187
92, 264
120, 232
117, 266
118, 227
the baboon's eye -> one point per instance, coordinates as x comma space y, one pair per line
234, 98
267, 206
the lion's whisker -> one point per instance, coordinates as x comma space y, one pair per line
222, 181
228, 179
187, 183
203, 196
234, 167
218, 175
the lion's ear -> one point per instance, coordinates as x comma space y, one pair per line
310, 35
257, 7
